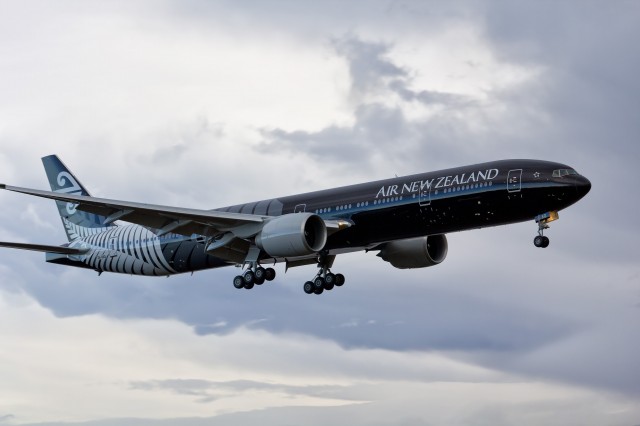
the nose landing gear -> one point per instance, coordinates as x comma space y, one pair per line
543, 223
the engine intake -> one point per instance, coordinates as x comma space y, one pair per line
290, 235
415, 252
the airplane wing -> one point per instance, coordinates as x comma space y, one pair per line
43, 248
166, 219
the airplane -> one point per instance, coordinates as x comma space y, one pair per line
405, 219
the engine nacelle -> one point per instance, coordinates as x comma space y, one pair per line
415, 252
295, 234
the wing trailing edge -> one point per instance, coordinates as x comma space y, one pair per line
170, 219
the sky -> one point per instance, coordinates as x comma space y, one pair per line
204, 104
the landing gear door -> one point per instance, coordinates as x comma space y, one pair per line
514, 180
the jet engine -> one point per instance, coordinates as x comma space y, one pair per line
290, 235
415, 252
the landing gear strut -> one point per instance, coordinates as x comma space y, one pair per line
324, 279
543, 223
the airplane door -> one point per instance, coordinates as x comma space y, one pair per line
514, 180
424, 197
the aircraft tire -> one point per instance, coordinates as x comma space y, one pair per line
537, 241
249, 277
318, 283
238, 282
318, 290
308, 287
339, 279
329, 281
260, 274
545, 242
270, 274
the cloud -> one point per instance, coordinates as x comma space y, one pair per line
205, 104
369, 69
392, 118
6, 418
209, 391
250, 376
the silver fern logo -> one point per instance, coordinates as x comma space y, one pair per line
76, 232
68, 185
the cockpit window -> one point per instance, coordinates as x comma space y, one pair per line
564, 172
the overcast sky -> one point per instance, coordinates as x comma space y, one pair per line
209, 103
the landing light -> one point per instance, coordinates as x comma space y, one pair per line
547, 217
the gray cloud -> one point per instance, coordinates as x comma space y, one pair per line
375, 124
428, 97
569, 314
416, 318
208, 391
369, 69
380, 130
397, 411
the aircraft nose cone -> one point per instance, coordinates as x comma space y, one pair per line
583, 186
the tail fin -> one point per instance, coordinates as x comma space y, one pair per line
77, 224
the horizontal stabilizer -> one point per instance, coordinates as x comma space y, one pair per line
43, 248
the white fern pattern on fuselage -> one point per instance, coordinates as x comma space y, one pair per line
130, 249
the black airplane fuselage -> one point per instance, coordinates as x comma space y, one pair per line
383, 215
440, 202
452, 200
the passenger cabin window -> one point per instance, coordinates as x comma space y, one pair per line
564, 172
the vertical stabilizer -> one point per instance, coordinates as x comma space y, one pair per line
76, 223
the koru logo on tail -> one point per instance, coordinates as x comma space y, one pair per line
68, 185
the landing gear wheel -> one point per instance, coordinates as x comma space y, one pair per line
329, 281
537, 241
318, 283
270, 274
339, 279
249, 277
248, 286
541, 241
308, 287
318, 290
238, 282
260, 275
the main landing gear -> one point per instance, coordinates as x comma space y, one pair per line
255, 275
325, 279
543, 223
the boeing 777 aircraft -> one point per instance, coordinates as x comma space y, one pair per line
405, 219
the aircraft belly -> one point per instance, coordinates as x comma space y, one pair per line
188, 255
